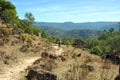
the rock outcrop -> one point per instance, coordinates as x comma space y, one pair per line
40, 75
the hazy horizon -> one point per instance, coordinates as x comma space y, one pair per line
76, 22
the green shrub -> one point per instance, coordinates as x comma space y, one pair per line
67, 41
17, 30
5, 32
22, 78
96, 50
9, 16
26, 37
29, 30
7, 11
53, 39
43, 34
36, 31
90, 43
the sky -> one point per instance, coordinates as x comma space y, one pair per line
69, 10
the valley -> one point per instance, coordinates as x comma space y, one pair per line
36, 50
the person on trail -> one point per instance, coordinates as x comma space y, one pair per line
59, 43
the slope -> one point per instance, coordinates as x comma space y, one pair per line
86, 25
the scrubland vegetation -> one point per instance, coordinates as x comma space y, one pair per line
107, 42
92, 59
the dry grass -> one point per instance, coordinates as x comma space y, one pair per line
71, 69
68, 70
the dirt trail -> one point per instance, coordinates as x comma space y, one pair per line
58, 50
13, 73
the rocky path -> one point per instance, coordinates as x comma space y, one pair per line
58, 50
13, 73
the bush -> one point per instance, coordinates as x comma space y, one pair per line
7, 11
36, 31
25, 26
17, 30
22, 78
43, 34
96, 50
53, 39
5, 32
29, 30
90, 43
9, 16
67, 41
26, 37
115, 44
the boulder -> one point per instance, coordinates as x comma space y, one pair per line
90, 68
117, 78
40, 75
53, 56
44, 54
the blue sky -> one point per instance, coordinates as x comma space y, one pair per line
69, 10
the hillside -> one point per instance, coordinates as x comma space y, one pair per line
76, 30
86, 25
18, 50
75, 33
72, 66
20, 58
28, 53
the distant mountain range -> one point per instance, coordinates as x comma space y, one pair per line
76, 30
86, 25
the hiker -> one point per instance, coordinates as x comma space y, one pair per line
59, 43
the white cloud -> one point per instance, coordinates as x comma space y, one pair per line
23, 3
104, 13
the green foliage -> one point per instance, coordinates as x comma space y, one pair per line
43, 34
103, 35
96, 50
119, 25
83, 33
9, 16
108, 42
77, 33
111, 30
4, 4
28, 28
5, 32
67, 41
36, 31
24, 25
92, 42
29, 17
115, 44
26, 37
53, 39
22, 78
7, 11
